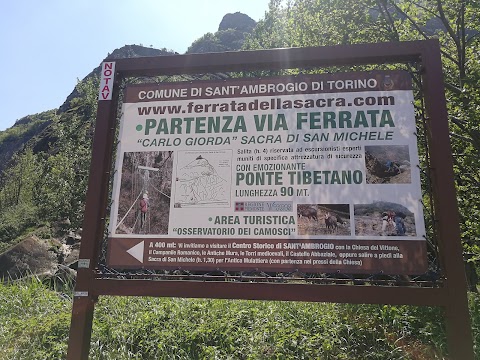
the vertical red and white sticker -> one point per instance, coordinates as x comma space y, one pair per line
106, 81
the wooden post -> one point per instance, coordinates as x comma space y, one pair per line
80, 328
459, 335
93, 226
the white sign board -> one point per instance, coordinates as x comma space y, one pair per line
328, 158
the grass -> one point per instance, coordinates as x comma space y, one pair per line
34, 321
34, 324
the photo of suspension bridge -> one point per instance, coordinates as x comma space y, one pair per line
145, 192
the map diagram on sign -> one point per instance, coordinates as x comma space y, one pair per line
203, 179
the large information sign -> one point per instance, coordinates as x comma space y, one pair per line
315, 172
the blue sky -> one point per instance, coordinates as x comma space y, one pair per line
48, 45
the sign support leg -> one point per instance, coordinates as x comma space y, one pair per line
81, 328
459, 336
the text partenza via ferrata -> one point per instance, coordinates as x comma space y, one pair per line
269, 122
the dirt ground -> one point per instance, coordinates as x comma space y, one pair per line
402, 178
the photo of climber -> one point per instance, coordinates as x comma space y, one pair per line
388, 164
145, 191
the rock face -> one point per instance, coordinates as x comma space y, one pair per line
229, 37
368, 219
31, 256
125, 52
42, 257
237, 21
34, 130
42, 140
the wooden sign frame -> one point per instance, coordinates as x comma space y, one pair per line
451, 295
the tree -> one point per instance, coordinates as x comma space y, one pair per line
19, 186
50, 185
457, 27
66, 166
455, 23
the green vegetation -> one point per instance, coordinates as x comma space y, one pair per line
34, 324
15, 139
34, 321
24, 129
45, 183
224, 40
301, 23
49, 185
230, 35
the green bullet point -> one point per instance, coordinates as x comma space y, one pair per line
139, 127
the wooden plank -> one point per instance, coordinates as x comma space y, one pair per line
355, 294
273, 59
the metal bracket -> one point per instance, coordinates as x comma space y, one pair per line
83, 263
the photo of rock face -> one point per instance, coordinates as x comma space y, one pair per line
383, 218
388, 164
323, 219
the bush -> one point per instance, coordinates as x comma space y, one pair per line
34, 324
14, 221
34, 321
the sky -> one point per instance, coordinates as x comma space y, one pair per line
47, 46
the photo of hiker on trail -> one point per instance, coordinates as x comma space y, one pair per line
145, 191
382, 218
